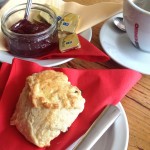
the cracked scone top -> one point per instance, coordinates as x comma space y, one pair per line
47, 106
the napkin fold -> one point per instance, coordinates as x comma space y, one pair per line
89, 15
87, 52
99, 87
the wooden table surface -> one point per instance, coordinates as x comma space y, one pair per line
137, 101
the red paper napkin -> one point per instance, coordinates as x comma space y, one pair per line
87, 52
99, 88
4, 74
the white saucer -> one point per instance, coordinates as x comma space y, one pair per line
118, 46
7, 57
115, 138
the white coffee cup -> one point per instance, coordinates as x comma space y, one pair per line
136, 15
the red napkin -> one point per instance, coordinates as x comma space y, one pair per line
99, 88
4, 74
87, 52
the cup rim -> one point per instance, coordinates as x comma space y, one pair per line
28, 35
138, 8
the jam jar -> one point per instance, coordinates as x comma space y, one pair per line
25, 38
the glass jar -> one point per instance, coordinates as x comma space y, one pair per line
2, 2
29, 45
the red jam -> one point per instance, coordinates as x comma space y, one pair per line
29, 43
26, 27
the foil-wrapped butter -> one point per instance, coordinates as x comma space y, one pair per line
46, 17
69, 23
68, 42
37, 17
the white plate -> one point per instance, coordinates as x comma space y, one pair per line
118, 46
6, 57
116, 137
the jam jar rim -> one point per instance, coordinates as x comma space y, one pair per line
8, 32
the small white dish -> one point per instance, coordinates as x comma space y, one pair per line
118, 46
115, 138
7, 57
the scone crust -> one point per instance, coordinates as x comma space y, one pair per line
47, 106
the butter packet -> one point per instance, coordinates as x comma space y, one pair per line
46, 17
69, 23
43, 16
58, 13
68, 42
67, 26
37, 17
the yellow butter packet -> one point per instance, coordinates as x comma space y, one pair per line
68, 42
69, 23
37, 17
46, 17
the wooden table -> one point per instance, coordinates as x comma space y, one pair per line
137, 101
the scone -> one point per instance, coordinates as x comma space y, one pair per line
47, 106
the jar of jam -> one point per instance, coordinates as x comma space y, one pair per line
30, 37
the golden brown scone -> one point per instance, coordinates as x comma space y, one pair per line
47, 105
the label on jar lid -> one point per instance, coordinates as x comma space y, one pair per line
68, 42
69, 23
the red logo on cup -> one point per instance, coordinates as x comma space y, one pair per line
136, 31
